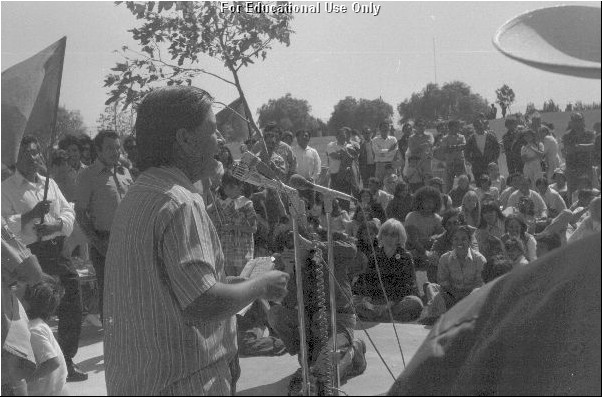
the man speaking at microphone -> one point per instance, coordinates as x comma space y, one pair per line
169, 309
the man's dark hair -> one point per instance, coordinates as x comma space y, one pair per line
427, 193
44, 298
99, 139
496, 267
69, 140
28, 140
272, 127
161, 114
129, 141
301, 132
454, 124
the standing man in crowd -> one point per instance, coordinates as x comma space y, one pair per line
420, 145
278, 147
482, 148
43, 226
101, 187
578, 151
340, 163
366, 157
309, 163
170, 311
384, 148
512, 142
452, 150
68, 181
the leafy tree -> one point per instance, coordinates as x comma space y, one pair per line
505, 97
290, 114
530, 109
187, 30
116, 117
68, 122
550, 106
350, 112
580, 106
453, 100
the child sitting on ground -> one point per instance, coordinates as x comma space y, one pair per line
41, 302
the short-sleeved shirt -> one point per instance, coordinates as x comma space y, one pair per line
164, 253
381, 148
333, 165
100, 189
421, 145
45, 347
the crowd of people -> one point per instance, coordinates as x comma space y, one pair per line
168, 229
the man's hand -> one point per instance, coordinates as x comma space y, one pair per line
41, 209
48, 228
274, 284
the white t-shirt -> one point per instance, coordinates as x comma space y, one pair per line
45, 347
333, 165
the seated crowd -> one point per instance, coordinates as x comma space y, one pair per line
410, 247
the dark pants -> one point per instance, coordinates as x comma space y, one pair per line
340, 182
251, 327
98, 262
478, 170
70, 309
367, 172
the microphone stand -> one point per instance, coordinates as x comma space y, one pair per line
335, 379
243, 173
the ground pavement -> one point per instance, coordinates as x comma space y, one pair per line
269, 376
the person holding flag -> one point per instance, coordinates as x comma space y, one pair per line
42, 218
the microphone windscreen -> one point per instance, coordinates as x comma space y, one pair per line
296, 181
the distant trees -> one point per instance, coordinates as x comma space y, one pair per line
290, 114
530, 109
68, 122
505, 97
115, 117
357, 114
550, 106
453, 100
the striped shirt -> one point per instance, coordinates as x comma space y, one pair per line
163, 254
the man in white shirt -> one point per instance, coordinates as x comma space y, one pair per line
23, 207
384, 148
308, 159
541, 210
341, 157
551, 197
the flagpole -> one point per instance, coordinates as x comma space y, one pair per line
53, 122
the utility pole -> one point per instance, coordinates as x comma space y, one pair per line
435, 59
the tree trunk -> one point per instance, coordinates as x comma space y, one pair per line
244, 101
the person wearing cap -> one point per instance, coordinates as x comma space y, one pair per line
578, 149
481, 149
420, 145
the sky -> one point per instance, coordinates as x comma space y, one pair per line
331, 56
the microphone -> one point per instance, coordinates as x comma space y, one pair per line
298, 182
254, 162
243, 172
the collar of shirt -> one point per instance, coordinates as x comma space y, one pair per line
21, 180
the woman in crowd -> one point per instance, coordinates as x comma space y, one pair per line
516, 227
458, 192
401, 204
532, 153
459, 273
452, 219
398, 276
446, 202
551, 151
471, 208
497, 180
486, 191
426, 218
368, 203
491, 230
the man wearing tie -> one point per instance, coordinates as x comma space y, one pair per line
100, 189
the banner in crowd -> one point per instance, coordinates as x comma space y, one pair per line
30, 95
230, 124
